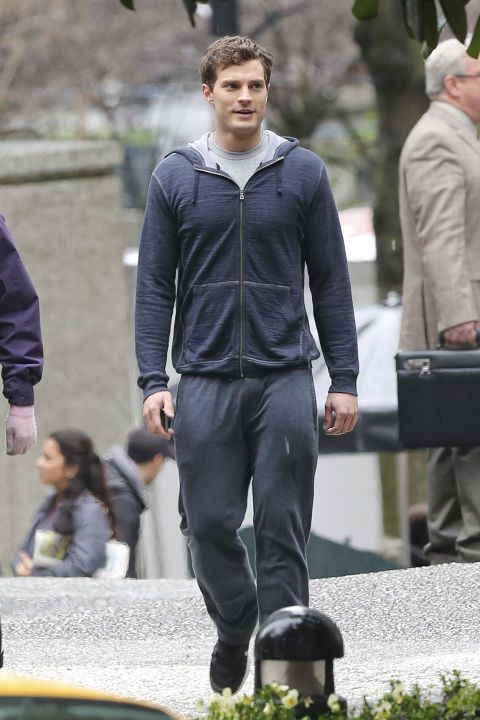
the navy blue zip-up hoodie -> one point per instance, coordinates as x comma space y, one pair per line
240, 256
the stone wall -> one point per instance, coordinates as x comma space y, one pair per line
62, 202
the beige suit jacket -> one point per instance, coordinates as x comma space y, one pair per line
440, 218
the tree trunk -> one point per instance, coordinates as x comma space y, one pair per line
396, 67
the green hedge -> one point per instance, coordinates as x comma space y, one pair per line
457, 699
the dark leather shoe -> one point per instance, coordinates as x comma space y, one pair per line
228, 667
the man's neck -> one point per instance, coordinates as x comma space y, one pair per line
448, 101
233, 143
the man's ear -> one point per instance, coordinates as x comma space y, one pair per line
207, 93
159, 460
450, 86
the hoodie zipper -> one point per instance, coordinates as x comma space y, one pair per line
242, 198
241, 201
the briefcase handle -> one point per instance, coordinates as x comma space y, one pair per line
441, 343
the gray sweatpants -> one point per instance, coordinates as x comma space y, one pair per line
227, 433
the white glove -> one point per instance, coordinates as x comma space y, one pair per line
21, 430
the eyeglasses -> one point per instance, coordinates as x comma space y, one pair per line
473, 75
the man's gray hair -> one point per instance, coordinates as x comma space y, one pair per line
448, 58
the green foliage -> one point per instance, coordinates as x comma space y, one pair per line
458, 699
420, 19
423, 24
430, 24
129, 137
474, 48
191, 8
365, 9
456, 17
271, 702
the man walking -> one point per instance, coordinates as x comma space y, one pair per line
440, 216
240, 213
21, 350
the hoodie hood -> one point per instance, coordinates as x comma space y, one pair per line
202, 158
199, 153
123, 474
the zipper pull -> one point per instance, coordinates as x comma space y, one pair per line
242, 196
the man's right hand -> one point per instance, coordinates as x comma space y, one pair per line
24, 566
21, 429
151, 412
463, 335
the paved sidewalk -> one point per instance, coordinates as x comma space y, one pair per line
152, 639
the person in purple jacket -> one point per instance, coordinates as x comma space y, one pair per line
231, 223
21, 351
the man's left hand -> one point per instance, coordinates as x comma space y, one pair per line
341, 413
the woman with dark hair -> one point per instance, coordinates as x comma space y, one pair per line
78, 517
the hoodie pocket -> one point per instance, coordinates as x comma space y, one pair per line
210, 328
274, 322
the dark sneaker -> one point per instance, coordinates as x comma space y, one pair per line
228, 667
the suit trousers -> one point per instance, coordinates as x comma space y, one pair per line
228, 433
454, 504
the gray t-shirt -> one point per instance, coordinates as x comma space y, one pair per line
239, 165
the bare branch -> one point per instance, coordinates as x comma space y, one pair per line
16, 50
273, 17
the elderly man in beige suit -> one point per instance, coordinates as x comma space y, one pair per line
440, 217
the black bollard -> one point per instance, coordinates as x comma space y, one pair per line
1, 650
296, 646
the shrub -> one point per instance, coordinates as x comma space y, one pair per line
458, 699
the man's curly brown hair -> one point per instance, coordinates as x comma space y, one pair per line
233, 50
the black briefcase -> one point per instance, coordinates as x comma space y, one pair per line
438, 397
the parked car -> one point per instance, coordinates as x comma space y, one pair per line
28, 698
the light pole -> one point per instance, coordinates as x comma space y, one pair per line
296, 646
224, 17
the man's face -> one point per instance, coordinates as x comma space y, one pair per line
468, 89
239, 98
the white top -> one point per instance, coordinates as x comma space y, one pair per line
240, 165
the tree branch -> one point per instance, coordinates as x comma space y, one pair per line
17, 50
274, 17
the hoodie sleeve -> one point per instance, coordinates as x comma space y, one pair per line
330, 287
21, 351
155, 298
